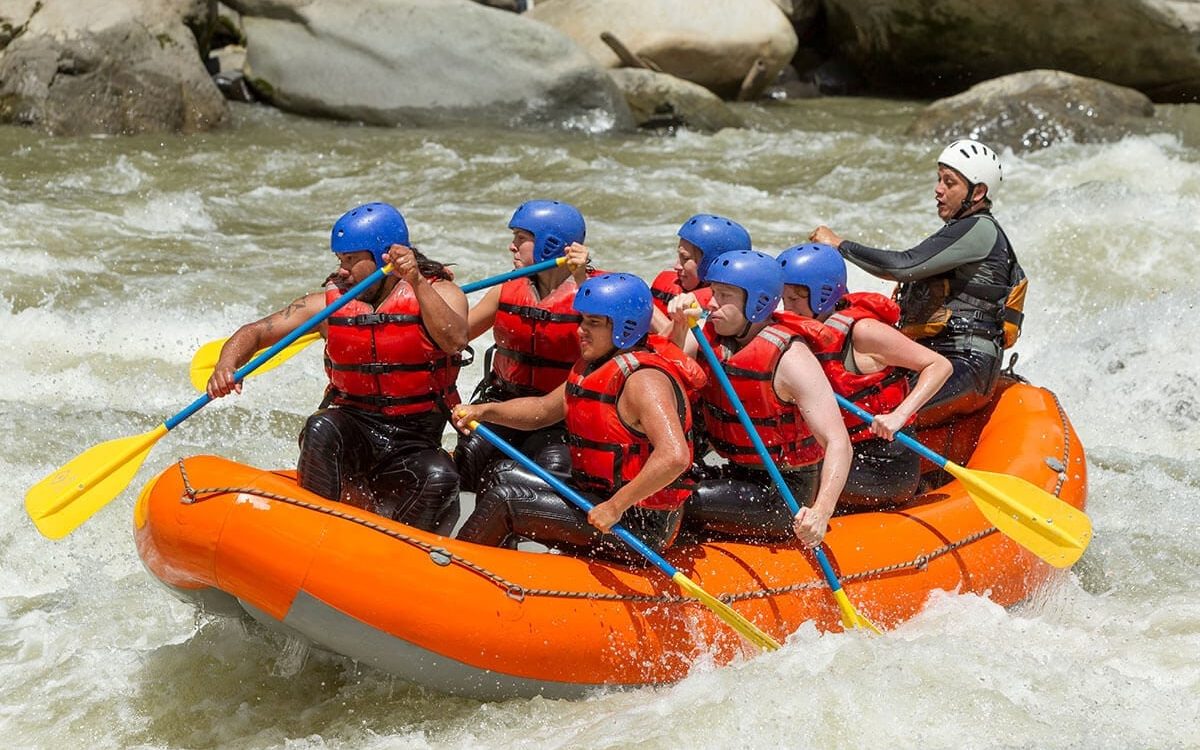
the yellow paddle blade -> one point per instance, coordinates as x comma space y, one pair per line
726, 613
65, 499
204, 361
1047, 526
850, 617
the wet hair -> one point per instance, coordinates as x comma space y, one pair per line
431, 269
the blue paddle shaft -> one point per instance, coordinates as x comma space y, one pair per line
744, 418
516, 273
317, 319
905, 440
283, 343
572, 496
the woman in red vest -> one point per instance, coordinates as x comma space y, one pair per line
535, 329
392, 358
868, 361
702, 239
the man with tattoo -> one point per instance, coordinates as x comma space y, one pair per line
392, 358
961, 290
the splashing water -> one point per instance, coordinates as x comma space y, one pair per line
124, 255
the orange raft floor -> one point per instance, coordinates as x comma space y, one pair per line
492, 623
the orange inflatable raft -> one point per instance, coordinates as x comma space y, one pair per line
492, 623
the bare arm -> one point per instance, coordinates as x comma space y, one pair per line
889, 347
647, 404
530, 413
800, 380
444, 313
483, 315
251, 337
443, 304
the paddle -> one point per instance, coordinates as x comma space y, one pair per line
850, 617
1047, 526
204, 361
690, 587
74, 493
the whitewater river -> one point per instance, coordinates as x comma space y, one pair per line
122, 255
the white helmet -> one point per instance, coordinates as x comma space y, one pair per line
974, 161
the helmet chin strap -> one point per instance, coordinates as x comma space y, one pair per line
966, 202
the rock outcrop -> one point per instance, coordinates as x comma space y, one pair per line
422, 62
715, 43
95, 66
923, 48
658, 100
1034, 109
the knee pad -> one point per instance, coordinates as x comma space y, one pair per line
555, 458
320, 466
419, 489
498, 473
472, 456
491, 521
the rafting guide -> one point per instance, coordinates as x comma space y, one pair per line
961, 291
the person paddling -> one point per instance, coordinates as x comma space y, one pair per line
625, 404
702, 239
961, 290
534, 325
867, 361
785, 393
392, 358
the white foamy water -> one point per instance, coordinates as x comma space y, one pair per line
124, 255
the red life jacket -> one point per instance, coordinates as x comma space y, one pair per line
382, 359
606, 453
751, 371
879, 392
666, 286
537, 340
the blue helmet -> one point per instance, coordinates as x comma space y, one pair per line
818, 267
553, 224
622, 298
756, 274
373, 226
713, 236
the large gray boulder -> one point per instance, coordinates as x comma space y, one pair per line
658, 100
94, 66
932, 48
423, 62
1034, 109
718, 44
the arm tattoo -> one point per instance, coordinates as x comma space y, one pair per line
297, 304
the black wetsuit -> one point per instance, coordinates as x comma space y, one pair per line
514, 504
973, 261
474, 454
393, 466
737, 502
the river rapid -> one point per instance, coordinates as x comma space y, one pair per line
122, 255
